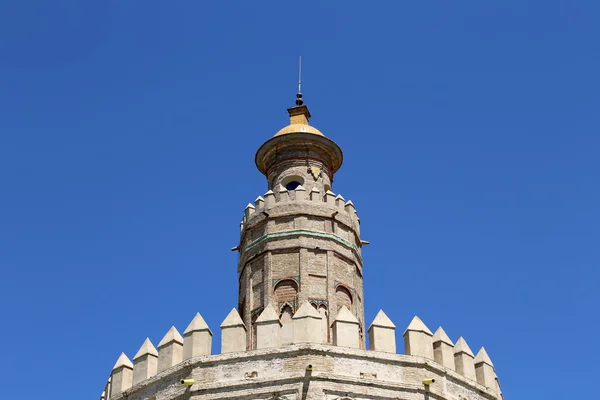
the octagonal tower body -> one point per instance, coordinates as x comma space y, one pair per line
300, 242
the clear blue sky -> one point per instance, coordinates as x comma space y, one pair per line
127, 138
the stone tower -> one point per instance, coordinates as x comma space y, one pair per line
300, 242
298, 332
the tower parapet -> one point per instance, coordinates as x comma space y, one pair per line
476, 374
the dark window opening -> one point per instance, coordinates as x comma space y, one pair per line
292, 185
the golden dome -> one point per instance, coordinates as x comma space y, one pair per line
299, 128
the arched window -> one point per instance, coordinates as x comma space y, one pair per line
343, 297
286, 291
292, 182
292, 185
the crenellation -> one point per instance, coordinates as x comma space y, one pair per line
122, 375
145, 362
443, 349
259, 203
330, 198
250, 209
345, 329
484, 369
464, 359
307, 325
300, 193
340, 202
284, 196
315, 195
295, 204
350, 209
197, 338
269, 199
497, 386
306, 328
233, 333
418, 339
382, 334
170, 350
107, 388
268, 329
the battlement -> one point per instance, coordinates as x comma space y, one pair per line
324, 204
454, 366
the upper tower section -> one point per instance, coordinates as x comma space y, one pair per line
300, 243
299, 154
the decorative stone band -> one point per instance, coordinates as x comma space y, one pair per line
303, 232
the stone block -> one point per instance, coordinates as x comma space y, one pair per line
382, 334
170, 350
145, 362
418, 339
345, 329
197, 338
122, 375
233, 333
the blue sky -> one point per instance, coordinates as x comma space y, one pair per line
127, 138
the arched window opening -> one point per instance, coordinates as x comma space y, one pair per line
292, 185
292, 182
343, 297
286, 291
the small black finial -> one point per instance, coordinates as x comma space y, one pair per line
299, 100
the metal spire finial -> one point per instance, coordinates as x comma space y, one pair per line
299, 100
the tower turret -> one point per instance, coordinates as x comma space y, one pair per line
301, 243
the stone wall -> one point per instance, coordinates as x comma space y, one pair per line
303, 366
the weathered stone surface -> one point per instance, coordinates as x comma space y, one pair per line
122, 375
268, 329
197, 338
418, 339
145, 362
259, 374
382, 334
233, 333
170, 350
307, 325
345, 329
464, 359
484, 369
443, 349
